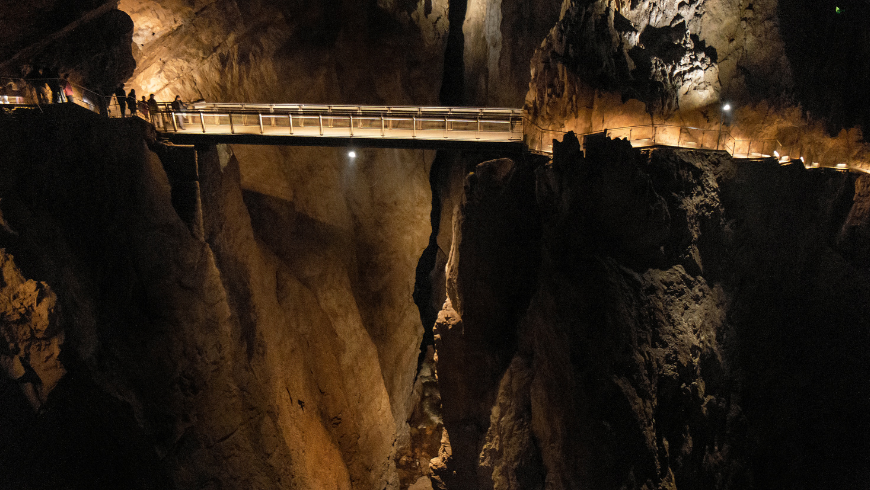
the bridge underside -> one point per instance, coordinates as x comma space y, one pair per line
343, 142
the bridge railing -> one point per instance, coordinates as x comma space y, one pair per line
43, 91
493, 124
642, 136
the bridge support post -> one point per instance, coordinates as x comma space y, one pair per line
290, 118
232, 129
478, 128
260, 116
320, 117
174, 122
446, 128
382, 125
202, 121
351, 124
414, 131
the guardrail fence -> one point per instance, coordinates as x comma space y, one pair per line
430, 123
540, 140
346, 121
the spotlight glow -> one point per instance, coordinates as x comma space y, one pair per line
351, 154
726, 107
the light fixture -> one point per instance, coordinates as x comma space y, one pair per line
726, 107
351, 154
802, 159
776, 153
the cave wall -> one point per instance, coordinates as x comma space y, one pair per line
616, 319
152, 319
688, 322
618, 64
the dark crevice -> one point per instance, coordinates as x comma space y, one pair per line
452, 94
452, 84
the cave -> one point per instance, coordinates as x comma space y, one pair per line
662, 283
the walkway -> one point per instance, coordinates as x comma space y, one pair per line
502, 129
345, 125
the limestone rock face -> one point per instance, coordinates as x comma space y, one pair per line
854, 237
496, 224
89, 42
243, 351
645, 355
32, 339
622, 64
499, 40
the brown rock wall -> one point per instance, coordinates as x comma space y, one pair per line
245, 366
646, 357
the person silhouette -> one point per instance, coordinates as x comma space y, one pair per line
121, 99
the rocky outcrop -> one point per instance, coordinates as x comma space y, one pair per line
622, 64
242, 316
243, 352
670, 286
499, 40
89, 42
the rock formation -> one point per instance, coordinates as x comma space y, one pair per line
637, 360
262, 317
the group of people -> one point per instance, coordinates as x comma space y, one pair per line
42, 86
148, 108
38, 85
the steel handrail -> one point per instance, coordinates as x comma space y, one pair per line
519, 125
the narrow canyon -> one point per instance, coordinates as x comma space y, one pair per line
598, 316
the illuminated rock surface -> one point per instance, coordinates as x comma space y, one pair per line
624, 319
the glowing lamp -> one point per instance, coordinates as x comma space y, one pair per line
351, 154
726, 107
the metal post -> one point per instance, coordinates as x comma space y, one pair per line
478, 128
414, 121
382, 125
290, 117
174, 122
446, 128
351, 124
260, 116
320, 117
232, 129
202, 121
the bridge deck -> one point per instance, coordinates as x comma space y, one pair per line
325, 125
501, 129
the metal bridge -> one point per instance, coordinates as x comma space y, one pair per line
502, 129
343, 125
416, 127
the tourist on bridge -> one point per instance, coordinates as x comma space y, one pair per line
67, 89
143, 108
177, 107
52, 80
154, 110
121, 99
36, 79
131, 102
